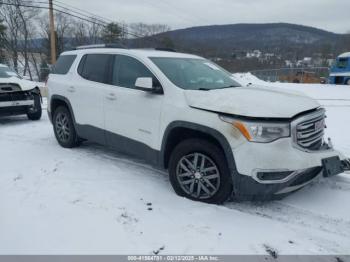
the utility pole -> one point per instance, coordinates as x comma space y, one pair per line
52, 34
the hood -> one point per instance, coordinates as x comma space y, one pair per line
252, 101
25, 85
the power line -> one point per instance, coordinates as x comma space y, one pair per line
66, 7
103, 24
55, 9
91, 16
107, 19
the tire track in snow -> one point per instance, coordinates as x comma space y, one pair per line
288, 214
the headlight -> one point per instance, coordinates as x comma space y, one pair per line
262, 132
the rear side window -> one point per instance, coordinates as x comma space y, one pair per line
63, 64
94, 67
127, 70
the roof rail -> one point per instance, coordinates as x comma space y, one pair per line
165, 49
158, 49
100, 46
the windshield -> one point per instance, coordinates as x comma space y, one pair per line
6, 72
194, 74
342, 62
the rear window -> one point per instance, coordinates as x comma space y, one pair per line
94, 67
63, 64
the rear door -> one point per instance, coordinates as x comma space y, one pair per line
132, 116
86, 92
61, 76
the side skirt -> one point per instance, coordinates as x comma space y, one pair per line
120, 143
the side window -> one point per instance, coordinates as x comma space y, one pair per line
128, 69
94, 67
63, 64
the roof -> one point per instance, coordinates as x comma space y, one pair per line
345, 55
137, 52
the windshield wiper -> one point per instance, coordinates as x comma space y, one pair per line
204, 89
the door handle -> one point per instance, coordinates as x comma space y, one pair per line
71, 89
111, 96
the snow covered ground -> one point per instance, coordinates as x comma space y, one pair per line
91, 200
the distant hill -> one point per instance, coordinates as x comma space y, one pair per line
271, 34
282, 41
267, 37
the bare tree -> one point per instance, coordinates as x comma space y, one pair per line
2, 43
80, 33
18, 20
95, 31
64, 30
12, 21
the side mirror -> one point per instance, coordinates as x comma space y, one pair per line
144, 83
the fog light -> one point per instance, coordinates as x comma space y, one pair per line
273, 175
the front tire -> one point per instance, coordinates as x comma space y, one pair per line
198, 170
64, 129
348, 82
34, 113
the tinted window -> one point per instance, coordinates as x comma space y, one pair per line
128, 69
94, 67
63, 64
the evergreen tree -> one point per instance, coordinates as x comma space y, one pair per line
111, 33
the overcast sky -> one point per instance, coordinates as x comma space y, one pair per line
331, 15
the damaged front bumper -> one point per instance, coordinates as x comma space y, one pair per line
274, 184
16, 103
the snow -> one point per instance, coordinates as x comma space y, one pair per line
91, 200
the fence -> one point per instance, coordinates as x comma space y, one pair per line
294, 75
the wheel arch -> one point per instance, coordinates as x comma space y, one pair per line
56, 101
180, 130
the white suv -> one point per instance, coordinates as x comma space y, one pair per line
186, 114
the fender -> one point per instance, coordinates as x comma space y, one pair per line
66, 101
204, 129
36, 91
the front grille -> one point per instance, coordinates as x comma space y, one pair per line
309, 130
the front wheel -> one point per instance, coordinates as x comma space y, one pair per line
348, 82
198, 170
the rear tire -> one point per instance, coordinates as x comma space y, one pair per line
64, 129
198, 170
35, 112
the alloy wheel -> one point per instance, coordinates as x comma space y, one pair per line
62, 127
198, 175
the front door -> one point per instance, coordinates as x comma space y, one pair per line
132, 116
